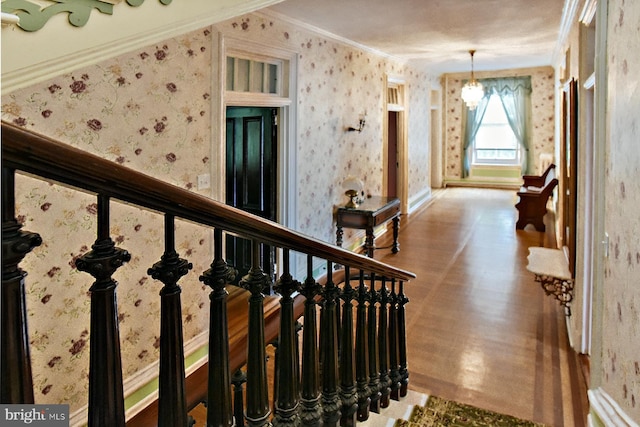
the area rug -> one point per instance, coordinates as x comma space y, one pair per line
441, 412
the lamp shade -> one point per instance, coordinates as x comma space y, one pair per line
353, 183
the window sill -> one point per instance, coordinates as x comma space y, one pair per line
496, 171
496, 165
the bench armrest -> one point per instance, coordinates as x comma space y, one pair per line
533, 181
538, 181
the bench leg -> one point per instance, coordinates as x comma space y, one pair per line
529, 213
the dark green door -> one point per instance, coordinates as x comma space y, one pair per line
251, 177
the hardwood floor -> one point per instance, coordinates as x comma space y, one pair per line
480, 329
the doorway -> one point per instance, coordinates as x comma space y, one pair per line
392, 155
251, 180
394, 129
569, 168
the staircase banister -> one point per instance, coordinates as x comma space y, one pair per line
36, 154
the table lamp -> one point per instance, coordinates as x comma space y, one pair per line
353, 187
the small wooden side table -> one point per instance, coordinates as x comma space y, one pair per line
372, 212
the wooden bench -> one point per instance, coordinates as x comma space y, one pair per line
534, 195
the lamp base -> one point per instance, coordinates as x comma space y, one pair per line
352, 194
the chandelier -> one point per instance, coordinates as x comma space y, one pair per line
472, 91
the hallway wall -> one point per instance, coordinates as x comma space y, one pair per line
619, 374
151, 109
615, 364
336, 84
542, 108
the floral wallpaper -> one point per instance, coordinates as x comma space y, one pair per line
621, 332
419, 115
150, 109
543, 114
337, 84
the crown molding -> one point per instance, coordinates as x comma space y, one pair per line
328, 34
568, 17
588, 12
67, 61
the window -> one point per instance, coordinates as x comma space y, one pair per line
255, 76
495, 142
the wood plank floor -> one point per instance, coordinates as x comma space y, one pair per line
480, 329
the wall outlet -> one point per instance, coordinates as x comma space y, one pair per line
204, 181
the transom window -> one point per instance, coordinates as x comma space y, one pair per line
255, 76
495, 142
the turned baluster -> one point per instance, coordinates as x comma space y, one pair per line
219, 412
106, 400
311, 412
374, 357
274, 344
238, 379
348, 393
287, 397
256, 282
331, 402
172, 399
383, 345
402, 341
394, 371
362, 352
15, 358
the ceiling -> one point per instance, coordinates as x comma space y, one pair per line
437, 35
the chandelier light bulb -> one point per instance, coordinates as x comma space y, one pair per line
472, 91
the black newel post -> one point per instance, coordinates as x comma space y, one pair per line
402, 341
15, 358
219, 412
287, 373
172, 398
362, 352
383, 345
106, 400
311, 413
331, 402
256, 282
394, 368
348, 393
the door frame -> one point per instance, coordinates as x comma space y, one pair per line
285, 101
588, 221
569, 170
402, 178
435, 133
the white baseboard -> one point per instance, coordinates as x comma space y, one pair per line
606, 412
419, 199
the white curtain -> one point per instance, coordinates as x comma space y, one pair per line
515, 94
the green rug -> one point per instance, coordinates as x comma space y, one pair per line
441, 412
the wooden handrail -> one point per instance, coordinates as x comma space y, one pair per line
30, 152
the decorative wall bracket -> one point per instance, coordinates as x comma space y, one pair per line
561, 289
33, 16
551, 270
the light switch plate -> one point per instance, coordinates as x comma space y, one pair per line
204, 181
